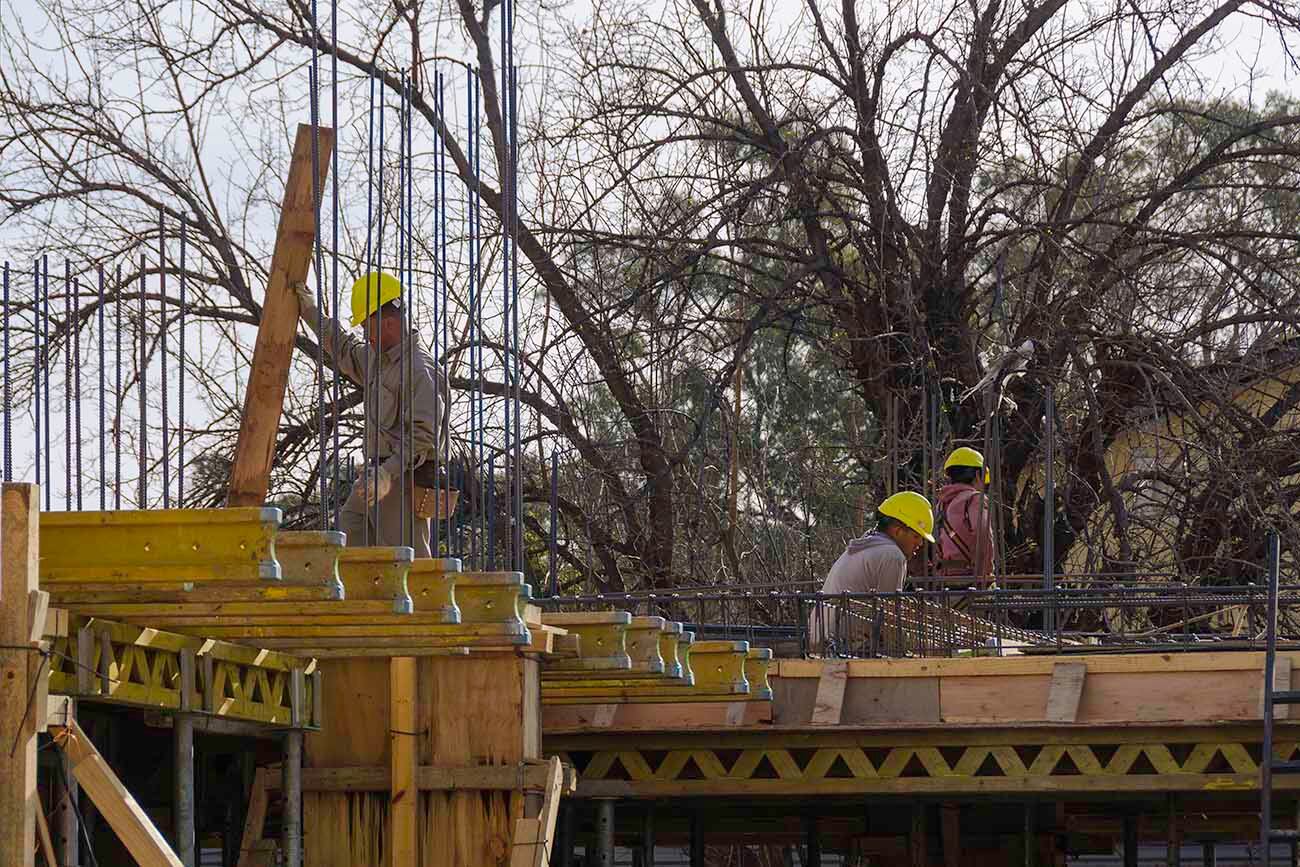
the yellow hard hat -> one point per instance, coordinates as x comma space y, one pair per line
372, 291
913, 510
966, 457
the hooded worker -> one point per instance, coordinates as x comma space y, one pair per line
380, 504
965, 531
877, 561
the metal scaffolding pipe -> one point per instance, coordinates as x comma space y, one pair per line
183, 780
1130, 841
812, 842
648, 836
292, 782
605, 832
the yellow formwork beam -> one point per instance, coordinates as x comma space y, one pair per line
492, 597
757, 663
719, 666
377, 574
171, 546
669, 640
432, 586
602, 643
310, 558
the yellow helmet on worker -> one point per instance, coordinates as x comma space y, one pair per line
967, 457
372, 291
912, 511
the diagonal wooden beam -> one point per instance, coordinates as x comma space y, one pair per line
264, 399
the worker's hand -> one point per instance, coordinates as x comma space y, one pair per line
307, 309
380, 485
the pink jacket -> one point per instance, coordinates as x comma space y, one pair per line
966, 532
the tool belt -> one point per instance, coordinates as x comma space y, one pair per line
433, 497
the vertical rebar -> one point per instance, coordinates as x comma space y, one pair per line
491, 508
372, 309
68, 339
181, 359
403, 538
45, 381
553, 546
1272, 567
8, 426
1049, 505
103, 453
117, 391
317, 256
143, 447
164, 386
334, 246
75, 334
38, 377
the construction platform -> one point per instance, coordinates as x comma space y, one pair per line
352, 705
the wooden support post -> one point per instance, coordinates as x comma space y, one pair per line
67, 831
127, 819
916, 839
697, 839
43, 833
269, 371
291, 821
21, 669
605, 832
950, 816
404, 795
648, 836
1130, 840
812, 841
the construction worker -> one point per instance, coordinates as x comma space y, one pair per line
965, 531
877, 561
386, 342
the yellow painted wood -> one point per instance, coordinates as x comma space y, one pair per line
1104, 663
377, 573
432, 587
643, 636
492, 597
720, 665
669, 640
758, 663
74, 594
602, 642
309, 558
164, 545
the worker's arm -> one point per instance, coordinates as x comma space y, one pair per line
984, 532
350, 353
428, 418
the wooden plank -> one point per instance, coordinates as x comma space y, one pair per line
255, 820
829, 704
126, 817
269, 372
1065, 691
1208, 661
533, 837
404, 797
20, 671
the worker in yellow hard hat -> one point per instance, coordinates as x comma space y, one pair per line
875, 562
403, 439
965, 546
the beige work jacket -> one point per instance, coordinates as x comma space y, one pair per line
426, 386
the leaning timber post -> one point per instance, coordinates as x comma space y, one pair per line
605, 832
292, 787
183, 779
21, 671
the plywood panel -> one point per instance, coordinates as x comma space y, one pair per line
355, 708
1172, 697
793, 700
994, 699
901, 699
